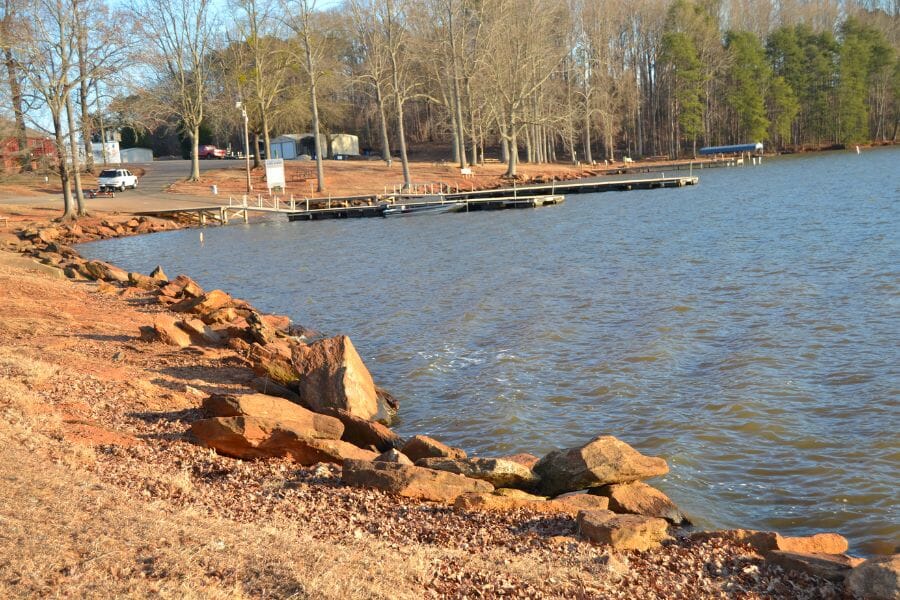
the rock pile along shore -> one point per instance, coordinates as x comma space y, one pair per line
316, 402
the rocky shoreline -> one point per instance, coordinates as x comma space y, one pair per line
306, 404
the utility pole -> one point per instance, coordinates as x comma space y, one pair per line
241, 106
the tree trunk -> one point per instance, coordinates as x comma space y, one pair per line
454, 132
586, 137
195, 153
460, 132
76, 163
513, 158
407, 179
63, 165
320, 172
266, 140
382, 121
15, 88
102, 128
83, 101
473, 158
255, 150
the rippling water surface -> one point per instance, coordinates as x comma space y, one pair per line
747, 329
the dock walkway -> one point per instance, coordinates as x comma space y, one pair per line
372, 205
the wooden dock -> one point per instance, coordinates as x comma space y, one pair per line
372, 205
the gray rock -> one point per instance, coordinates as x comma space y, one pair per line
496, 471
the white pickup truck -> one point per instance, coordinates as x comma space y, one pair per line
116, 179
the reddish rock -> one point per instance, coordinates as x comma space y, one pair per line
99, 270
258, 330
332, 375
254, 437
602, 461
222, 315
876, 579
496, 471
833, 567
641, 499
364, 433
159, 275
142, 281
410, 482
200, 332
206, 303
523, 458
274, 409
622, 532
166, 330
276, 322
182, 286
422, 446
819, 543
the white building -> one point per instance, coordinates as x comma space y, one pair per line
136, 155
292, 145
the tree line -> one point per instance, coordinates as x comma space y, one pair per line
519, 80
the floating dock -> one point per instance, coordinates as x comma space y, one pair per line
348, 207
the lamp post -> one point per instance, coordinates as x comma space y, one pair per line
243, 109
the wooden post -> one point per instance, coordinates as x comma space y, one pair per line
246, 215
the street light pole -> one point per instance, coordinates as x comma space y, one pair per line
241, 106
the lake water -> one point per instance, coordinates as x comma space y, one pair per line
746, 329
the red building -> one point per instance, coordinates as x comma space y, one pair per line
38, 147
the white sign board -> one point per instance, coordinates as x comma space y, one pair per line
275, 173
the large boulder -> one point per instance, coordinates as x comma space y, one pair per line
165, 329
274, 409
602, 461
494, 502
818, 543
139, 280
411, 482
200, 332
102, 271
365, 433
204, 304
641, 499
182, 286
422, 446
332, 375
876, 579
496, 471
622, 532
256, 437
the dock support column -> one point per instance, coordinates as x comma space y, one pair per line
246, 216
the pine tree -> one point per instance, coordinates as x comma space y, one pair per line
747, 79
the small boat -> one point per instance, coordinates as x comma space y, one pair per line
405, 210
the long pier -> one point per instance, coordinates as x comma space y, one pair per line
373, 205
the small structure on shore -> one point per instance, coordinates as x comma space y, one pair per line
734, 149
291, 145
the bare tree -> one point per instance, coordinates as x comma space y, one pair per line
181, 35
262, 61
303, 25
375, 70
10, 26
